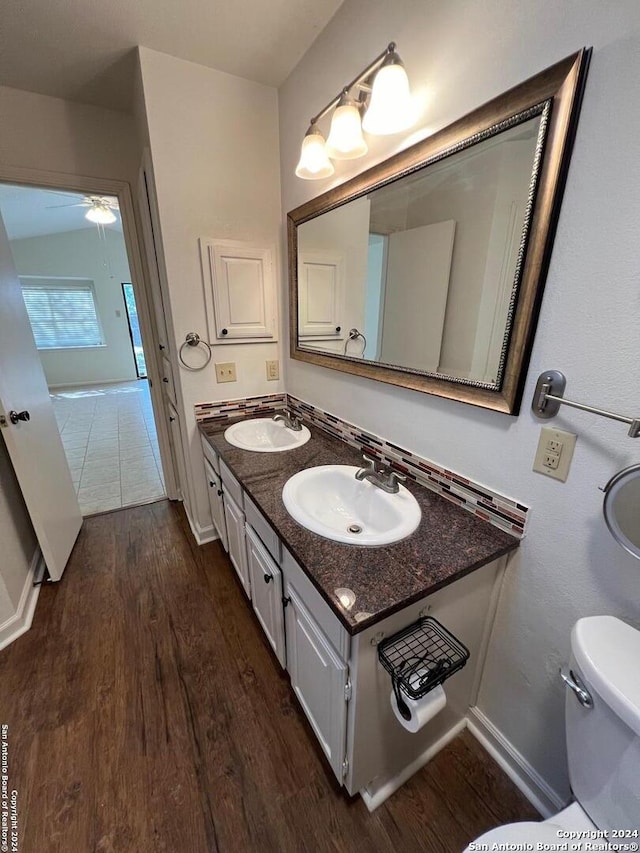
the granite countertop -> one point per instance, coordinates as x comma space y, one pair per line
448, 544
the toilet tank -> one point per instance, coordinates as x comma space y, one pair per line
603, 742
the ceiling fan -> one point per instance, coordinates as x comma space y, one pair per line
100, 208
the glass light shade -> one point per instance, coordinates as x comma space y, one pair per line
100, 214
391, 109
314, 163
345, 140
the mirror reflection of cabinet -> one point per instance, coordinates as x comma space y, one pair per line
321, 283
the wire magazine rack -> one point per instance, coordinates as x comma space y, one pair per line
419, 658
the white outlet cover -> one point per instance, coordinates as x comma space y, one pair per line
567, 442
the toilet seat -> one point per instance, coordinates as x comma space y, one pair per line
526, 832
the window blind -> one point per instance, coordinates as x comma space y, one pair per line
62, 313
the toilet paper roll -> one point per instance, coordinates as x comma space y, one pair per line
422, 710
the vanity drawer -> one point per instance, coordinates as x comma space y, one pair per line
264, 530
231, 485
315, 604
210, 454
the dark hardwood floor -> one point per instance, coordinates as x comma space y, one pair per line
147, 713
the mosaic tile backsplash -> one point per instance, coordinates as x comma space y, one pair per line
225, 409
491, 506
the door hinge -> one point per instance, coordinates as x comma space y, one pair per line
345, 768
347, 689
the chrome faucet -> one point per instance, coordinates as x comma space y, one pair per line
290, 420
383, 478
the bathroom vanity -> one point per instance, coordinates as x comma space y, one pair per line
327, 641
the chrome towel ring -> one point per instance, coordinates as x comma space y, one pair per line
354, 334
193, 339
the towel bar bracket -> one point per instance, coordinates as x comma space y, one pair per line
548, 397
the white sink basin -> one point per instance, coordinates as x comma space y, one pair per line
264, 435
330, 501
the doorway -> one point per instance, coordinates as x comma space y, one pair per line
69, 251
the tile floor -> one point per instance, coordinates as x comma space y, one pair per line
111, 444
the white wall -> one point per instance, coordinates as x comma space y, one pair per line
40, 132
83, 254
459, 55
50, 134
214, 146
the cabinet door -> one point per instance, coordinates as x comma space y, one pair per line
241, 278
321, 295
176, 445
266, 593
214, 485
235, 538
319, 679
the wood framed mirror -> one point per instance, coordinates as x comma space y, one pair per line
427, 270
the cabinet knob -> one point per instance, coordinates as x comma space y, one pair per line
161, 346
224, 332
286, 600
164, 379
211, 483
338, 328
14, 417
268, 578
171, 418
219, 492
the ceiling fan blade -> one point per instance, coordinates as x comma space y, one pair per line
77, 204
69, 194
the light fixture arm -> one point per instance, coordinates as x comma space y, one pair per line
359, 81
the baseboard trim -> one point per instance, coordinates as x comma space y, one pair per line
202, 535
386, 789
541, 796
21, 621
94, 383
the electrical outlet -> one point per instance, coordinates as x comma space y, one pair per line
226, 371
554, 453
273, 369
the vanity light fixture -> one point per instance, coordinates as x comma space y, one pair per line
346, 141
383, 95
314, 163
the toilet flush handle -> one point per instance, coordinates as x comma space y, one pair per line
575, 683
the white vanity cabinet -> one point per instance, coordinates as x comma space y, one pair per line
320, 680
236, 539
337, 678
266, 593
216, 503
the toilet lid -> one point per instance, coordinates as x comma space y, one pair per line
527, 832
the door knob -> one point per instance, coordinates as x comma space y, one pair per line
14, 417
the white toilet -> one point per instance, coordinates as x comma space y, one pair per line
602, 714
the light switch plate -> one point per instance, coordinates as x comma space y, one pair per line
273, 369
554, 453
225, 371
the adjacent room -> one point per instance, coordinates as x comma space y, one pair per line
70, 255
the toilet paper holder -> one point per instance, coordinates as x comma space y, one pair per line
419, 658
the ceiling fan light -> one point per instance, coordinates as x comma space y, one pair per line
391, 109
100, 214
314, 163
346, 141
